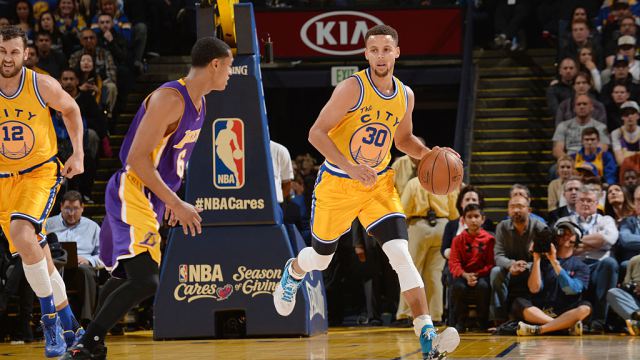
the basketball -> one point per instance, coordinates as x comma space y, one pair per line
440, 172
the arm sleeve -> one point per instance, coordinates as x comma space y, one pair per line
94, 259
489, 259
628, 238
499, 253
560, 113
609, 230
609, 168
597, 80
447, 236
569, 285
455, 261
604, 134
558, 135
615, 140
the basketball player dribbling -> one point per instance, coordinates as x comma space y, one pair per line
154, 152
354, 131
30, 176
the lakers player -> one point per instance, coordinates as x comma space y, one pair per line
154, 154
354, 131
30, 176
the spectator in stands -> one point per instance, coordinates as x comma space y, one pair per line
71, 226
625, 140
622, 76
600, 234
591, 153
427, 214
620, 95
562, 88
618, 204
468, 195
589, 66
625, 301
95, 134
111, 40
628, 244
557, 281
627, 47
90, 79
582, 85
629, 178
628, 27
580, 37
514, 237
523, 190
610, 14
51, 61
104, 66
23, 17
4, 21
470, 264
69, 21
509, 22
282, 171
136, 37
564, 166
567, 138
47, 23
32, 60
571, 188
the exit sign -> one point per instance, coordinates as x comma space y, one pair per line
339, 73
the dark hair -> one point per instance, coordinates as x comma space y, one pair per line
207, 49
68, 69
43, 33
39, 27
72, 196
627, 17
472, 207
590, 131
619, 83
579, 21
463, 192
382, 30
11, 32
30, 19
586, 76
627, 206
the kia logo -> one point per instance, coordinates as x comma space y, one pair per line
338, 32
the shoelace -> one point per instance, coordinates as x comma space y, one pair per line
51, 330
289, 288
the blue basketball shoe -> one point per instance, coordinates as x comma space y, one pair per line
438, 346
54, 340
284, 297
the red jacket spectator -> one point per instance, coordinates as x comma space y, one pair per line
472, 254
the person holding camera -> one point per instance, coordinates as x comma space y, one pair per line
470, 262
600, 234
625, 301
557, 281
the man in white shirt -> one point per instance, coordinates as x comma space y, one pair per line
71, 226
600, 234
282, 170
625, 140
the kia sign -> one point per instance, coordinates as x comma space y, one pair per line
352, 26
309, 34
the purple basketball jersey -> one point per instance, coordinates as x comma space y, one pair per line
134, 213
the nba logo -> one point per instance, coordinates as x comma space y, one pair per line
183, 275
228, 154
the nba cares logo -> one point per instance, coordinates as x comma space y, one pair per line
228, 154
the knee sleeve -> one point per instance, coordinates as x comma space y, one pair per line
59, 289
309, 260
38, 277
398, 253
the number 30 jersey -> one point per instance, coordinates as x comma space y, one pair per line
27, 135
365, 134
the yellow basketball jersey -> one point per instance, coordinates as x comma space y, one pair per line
365, 134
27, 135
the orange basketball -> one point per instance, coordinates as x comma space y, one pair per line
440, 172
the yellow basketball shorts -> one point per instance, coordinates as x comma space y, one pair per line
29, 195
338, 200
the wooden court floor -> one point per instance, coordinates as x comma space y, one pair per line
354, 343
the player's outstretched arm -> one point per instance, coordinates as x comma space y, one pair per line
164, 109
55, 97
344, 97
404, 139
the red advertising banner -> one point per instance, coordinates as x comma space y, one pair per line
307, 34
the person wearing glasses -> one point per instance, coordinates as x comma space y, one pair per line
600, 234
71, 226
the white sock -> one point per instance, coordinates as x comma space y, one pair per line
420, 321
294, 274
59, 289
38, 277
